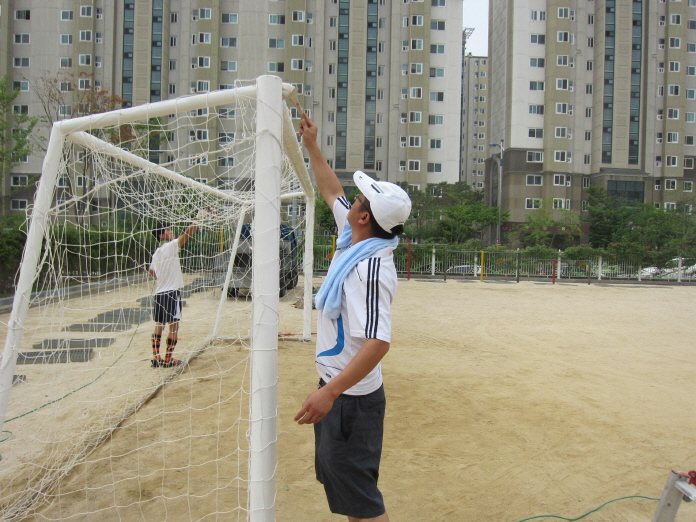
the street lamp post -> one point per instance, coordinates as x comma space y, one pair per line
500, 187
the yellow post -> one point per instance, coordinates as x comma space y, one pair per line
222, 239
483, 259
333, 245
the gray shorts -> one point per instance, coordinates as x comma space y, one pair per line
348, 446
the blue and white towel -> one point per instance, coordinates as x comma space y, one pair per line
328, 298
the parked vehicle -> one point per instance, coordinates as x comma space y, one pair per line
464, 269
241, 272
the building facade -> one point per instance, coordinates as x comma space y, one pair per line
599, 93
380, 77
475, 148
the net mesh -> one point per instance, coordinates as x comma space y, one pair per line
91, 429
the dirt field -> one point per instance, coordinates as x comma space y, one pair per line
505, 401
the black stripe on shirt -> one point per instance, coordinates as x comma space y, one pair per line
372, 298
343, 201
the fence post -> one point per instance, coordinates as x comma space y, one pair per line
408, 262
517, 278
445, 264
640, 269
589, 270
559, 265
553, 271
432, 263
483, 263
679, 273
599, 269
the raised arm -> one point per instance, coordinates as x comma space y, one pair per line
183, 238
327, 181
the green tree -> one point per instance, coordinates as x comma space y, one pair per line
607, 216
544, 230
15, 137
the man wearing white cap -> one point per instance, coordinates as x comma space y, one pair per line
353, 335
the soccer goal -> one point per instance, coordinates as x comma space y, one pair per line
89, 428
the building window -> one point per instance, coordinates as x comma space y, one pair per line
66, 15
18, 204
537, 62
414, 141
416, 92
532, 203
538, 38
230, 18
21, 62
536, 133
533, 179
415, 116
672, 161
437, 96
536, 86
435, 143
438, 119
414, 165
276, 19
227, 65
535, 156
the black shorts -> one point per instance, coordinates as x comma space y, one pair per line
348, 448
167, 307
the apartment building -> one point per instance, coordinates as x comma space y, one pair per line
475, 148
382, 78
591, 93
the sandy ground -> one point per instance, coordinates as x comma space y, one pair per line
505, 401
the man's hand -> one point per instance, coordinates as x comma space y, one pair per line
315, 408
308, 131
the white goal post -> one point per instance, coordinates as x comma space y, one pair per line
243, 166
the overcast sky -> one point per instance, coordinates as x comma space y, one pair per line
476, 16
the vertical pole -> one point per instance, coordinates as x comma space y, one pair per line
559, 266
599, 268
589, 271
265, 289
553, 271
30, 262
483, 263
308, 268
679, 270
432, 262
230, 270
517, 278
408, 262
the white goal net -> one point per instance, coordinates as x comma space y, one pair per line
90, 426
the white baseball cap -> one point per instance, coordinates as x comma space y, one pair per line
389, 203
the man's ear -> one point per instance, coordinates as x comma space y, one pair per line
364, 218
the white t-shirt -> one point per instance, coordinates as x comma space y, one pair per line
368, 291
166, 265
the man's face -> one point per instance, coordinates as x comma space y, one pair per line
360, 205
167, 235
